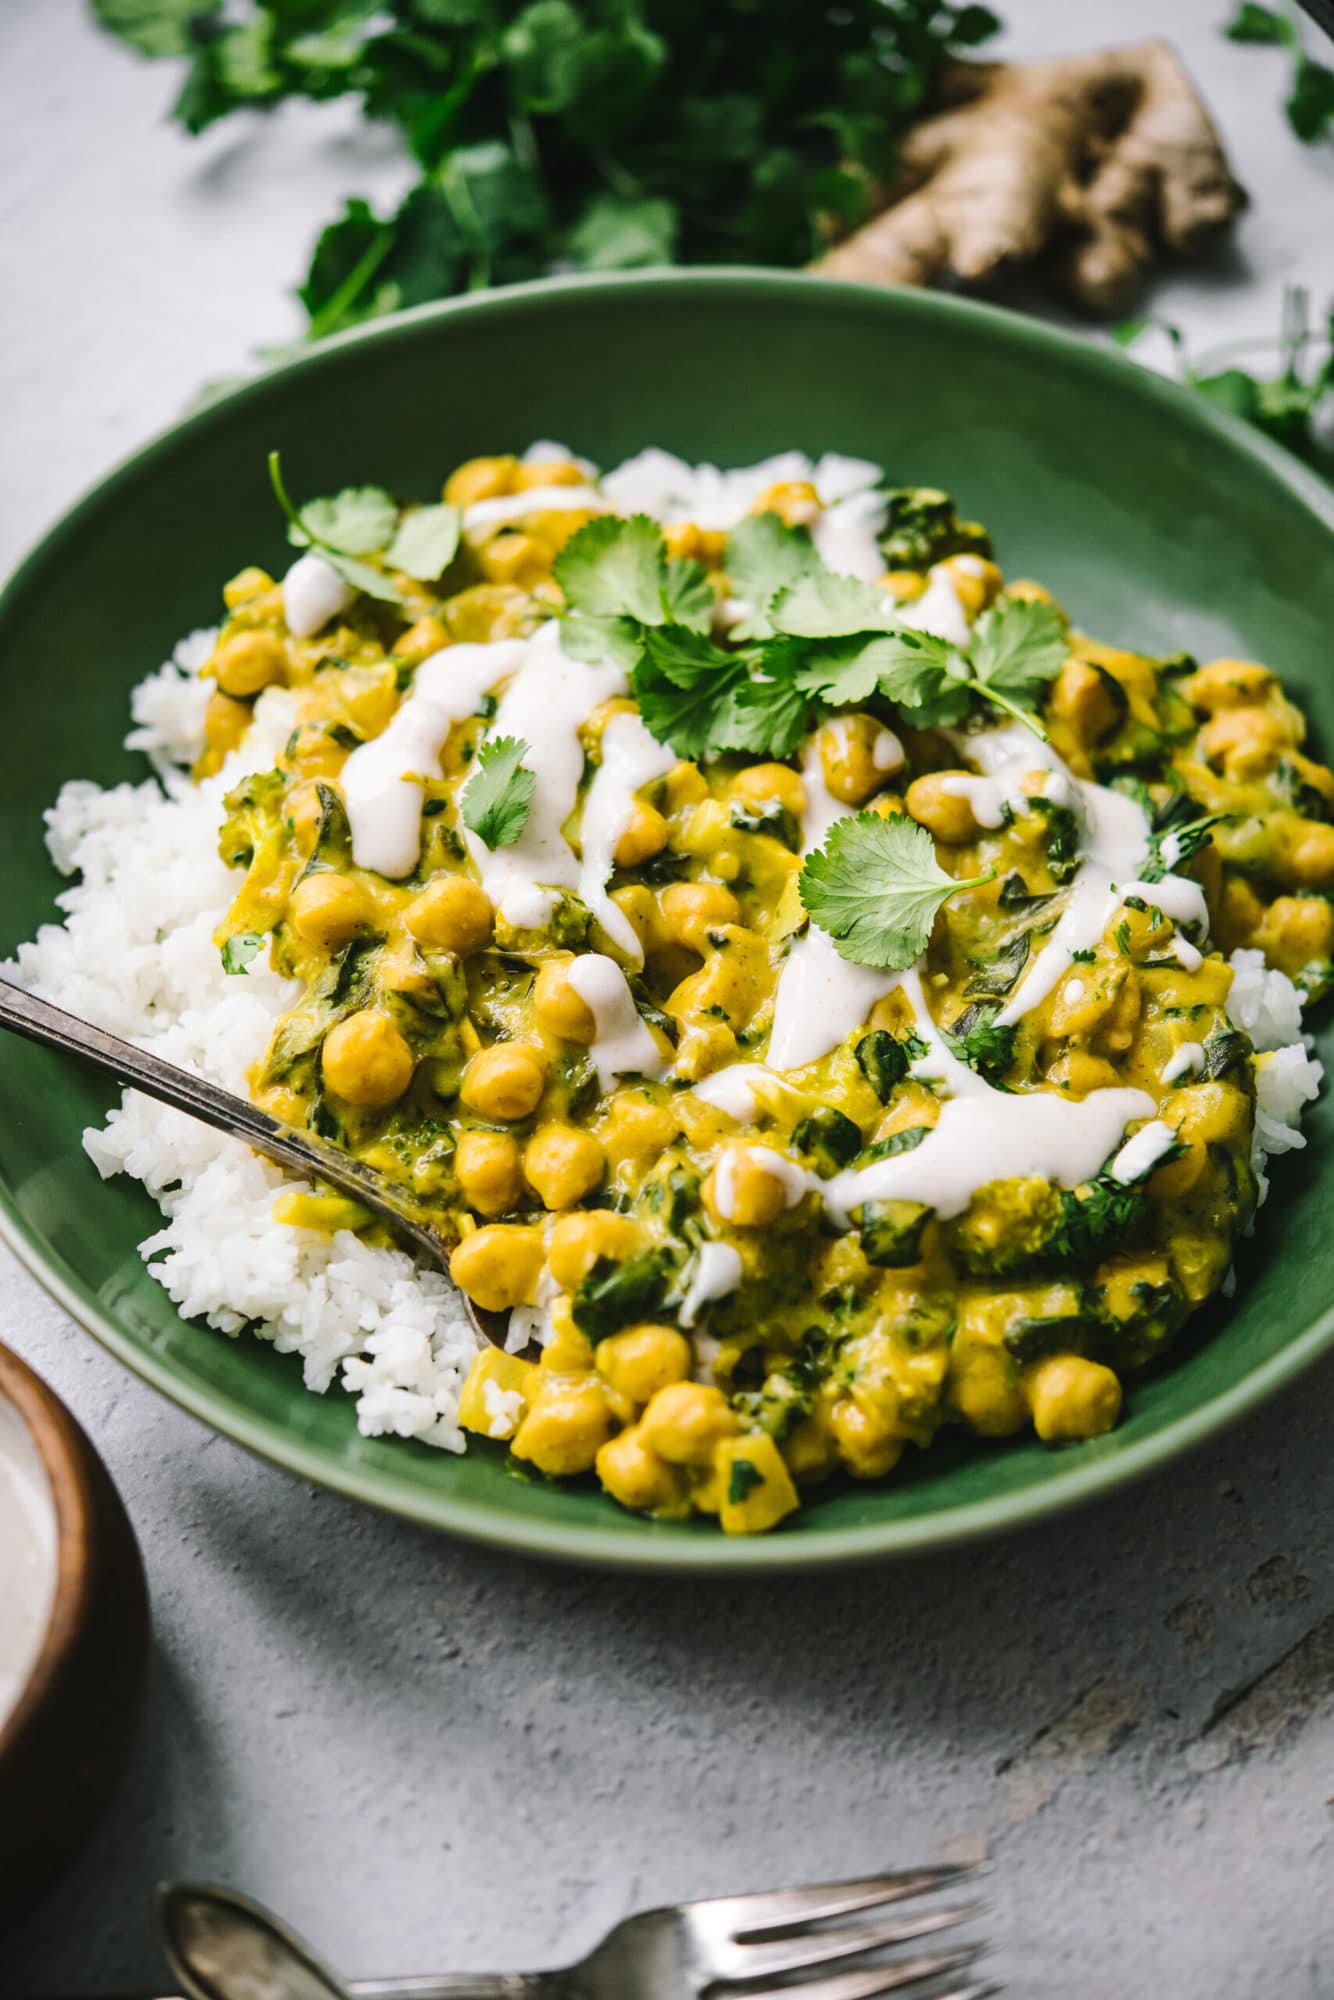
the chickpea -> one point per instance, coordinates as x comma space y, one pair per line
683, 540
1309, 860
762, 785
246, 662
498, 1267
1240, 912
686, 1420
1223, 684
562, 1164
511, 557
634, 1474
976, 581
795, 501
328, 910
751, 1186
567, 1350
565, 1428
808, 1450
766, 1494
857, 754
595, 722
509, 1379
578, 1242
691, 909
505, 1081
247, 583
452, 913
366, 1061
560, 1008
481, 479
1085, 700
643, 1359
1245, 742
643, 835
489, 1170
1024, 591
305, 810
947, 815
536, 472
984, 1388
864, 1446
684, 785
636, 1128
1073, 1398
226, 721
905, 586
1297, 930
424, 637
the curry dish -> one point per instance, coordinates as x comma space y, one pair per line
766, 1201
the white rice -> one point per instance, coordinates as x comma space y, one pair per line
135, 955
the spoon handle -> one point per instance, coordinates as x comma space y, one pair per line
304, 1152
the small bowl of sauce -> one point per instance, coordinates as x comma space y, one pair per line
73, 1634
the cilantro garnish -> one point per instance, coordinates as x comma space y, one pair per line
239, 951
497, 798
344, 528
1017, 647
876, 888
742, 1479
426, 542
1187, 839
765, 556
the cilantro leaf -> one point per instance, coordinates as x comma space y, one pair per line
876, 888
686, 688
763, 557
426, 542
355, 522
238, 951
497, 798
742, 1479
768, 711
613, 569
361, 575
157, 27
623, 232
1016, 649
1253, 23
598, 642
1179, 842
686, 594
822, 605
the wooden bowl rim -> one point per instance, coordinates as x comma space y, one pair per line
63, 1452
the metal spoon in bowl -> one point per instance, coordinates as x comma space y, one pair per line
304, 1153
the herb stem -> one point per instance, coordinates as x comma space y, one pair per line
1023, 715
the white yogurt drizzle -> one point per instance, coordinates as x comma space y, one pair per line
715, 1272
821, 997
313, 593
383, 780
1188, 1060
545, 703
484, 515
631, 758
794, 1180
1116, 837
1140, 1154
623, 1045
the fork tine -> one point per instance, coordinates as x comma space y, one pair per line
766, 1960
784, 1909
884, 1979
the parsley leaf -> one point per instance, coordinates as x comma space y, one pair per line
876, 888
1016, 648
497, 798
239, 951
426, 542
356, 518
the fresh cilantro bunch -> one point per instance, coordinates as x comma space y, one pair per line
813, 641
1310, 101
602, 134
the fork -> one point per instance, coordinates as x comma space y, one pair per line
304, 1153
220, 1945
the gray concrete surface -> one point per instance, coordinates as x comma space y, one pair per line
429, 1758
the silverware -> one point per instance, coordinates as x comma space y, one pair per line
222, 1946
304, 1153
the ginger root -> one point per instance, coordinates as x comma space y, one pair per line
1089, 164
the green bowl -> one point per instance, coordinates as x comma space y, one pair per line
1156, 521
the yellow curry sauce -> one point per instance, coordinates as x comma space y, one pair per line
717, 1335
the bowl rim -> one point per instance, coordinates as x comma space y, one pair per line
705, 1550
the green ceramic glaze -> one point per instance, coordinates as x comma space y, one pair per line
1156, 521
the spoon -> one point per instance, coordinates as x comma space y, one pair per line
304, 1153
221, 1946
